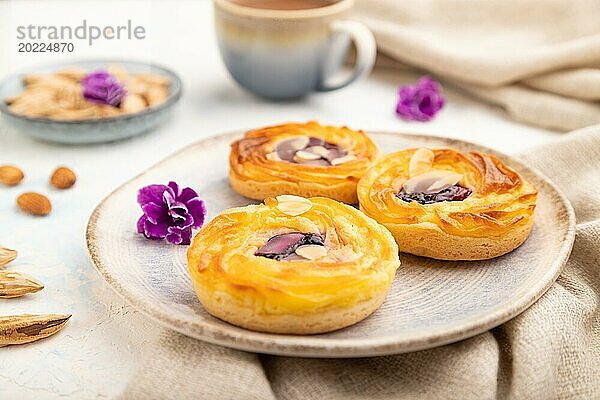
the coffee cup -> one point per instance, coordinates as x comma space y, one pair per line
282, 49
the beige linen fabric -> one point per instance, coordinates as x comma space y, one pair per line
550, 351
499, 50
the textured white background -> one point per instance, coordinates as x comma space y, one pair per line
96, 354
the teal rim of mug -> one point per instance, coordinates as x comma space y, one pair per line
325, 11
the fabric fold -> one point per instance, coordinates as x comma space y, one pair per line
581, 83
529, 57
175, 366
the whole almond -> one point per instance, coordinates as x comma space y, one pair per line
156, 95
34, 203
63, 178
19, 329
6, 256
132, 103
16, 284
10, 175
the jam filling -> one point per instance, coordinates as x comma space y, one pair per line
452, 193
283, 246
320, 152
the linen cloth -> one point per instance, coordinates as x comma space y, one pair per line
550, 351
537, 59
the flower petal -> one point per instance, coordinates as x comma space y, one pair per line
197, 210
140, 223
187, 222
169, 197
151, 194
156, 231
183, 236
174, 238
178, 211
154, 212
186, 195
186, 236
175, 188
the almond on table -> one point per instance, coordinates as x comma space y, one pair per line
6, 256
11, 175
16, 284
34, 203
26, 328
63, 178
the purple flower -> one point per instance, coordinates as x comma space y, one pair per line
420, 102
170, 212
102, 87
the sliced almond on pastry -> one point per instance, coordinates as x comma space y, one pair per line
272, 156
420, 162
293, 205
298, 143
320, 150
311, 251
432, 181
342, 160
302, 155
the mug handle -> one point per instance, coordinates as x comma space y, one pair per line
366, 51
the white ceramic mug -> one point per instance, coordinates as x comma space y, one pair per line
284, 54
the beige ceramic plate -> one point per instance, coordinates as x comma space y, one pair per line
430, 303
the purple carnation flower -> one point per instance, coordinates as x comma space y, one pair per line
420, 102
170, 212
102, 87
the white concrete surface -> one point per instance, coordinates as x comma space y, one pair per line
96, 353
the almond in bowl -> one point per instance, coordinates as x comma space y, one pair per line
89, 101
73, 93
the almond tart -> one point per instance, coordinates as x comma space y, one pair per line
449, 205
292, 265
301, 159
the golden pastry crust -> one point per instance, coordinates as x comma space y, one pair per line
300, 296
493, 220
253, 174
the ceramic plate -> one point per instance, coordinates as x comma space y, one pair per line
90, 130
430, 303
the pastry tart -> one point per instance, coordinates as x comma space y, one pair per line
292, 265
300, 159
449, 205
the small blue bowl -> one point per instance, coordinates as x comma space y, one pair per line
90, 130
